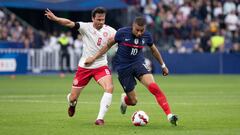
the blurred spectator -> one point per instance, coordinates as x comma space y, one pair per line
218, 10
185, 9
205, 41
78, 44
217, 42
64, 43
214, 26
197, 49
229, 6
232, 21
235, 48
2, 15
11, 29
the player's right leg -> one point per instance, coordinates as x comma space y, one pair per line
129, 99
72, 100
81, 79
128, 83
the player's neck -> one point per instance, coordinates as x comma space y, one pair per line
97, 28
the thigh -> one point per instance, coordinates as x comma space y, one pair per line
103, 76
106, 83
82, 77
127, 80
141, 69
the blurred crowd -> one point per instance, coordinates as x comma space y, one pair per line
192, 25
182, 26
12, 29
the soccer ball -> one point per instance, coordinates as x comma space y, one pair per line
140, 118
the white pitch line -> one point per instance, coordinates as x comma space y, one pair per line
87, 102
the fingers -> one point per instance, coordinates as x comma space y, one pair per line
165, 74
47, 11
48, 14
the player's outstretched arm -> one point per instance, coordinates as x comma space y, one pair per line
62, 21
102, 51
159, 58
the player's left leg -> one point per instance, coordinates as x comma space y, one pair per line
128, 99
148, 81
104, 78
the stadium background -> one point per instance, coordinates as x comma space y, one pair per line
200, 46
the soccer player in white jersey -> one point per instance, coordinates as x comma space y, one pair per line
95, 34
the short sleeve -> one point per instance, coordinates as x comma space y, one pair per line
83, 27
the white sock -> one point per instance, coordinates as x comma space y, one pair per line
169, 116
71, 103
104, 104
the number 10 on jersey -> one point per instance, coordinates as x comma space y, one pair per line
134, 51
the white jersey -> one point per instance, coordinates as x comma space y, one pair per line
93, 41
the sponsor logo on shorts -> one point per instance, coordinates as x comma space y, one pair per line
75, 82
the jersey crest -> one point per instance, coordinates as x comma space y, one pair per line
136, 41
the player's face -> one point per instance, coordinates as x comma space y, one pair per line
98, 20
138, 30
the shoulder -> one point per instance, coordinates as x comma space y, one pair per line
109, 28
124, 30
84, 24
147, 34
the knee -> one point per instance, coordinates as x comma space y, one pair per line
109, 88
133, 102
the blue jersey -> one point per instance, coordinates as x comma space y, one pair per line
130, 47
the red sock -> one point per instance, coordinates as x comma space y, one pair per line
127, 101
160, 97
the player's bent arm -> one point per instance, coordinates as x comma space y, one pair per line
62, 21
105, 48
102, 51
156, 54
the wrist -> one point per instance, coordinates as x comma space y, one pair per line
56, 19
163, 65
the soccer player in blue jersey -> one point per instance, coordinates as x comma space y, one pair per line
130, 65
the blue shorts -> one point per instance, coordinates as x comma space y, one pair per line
127, 75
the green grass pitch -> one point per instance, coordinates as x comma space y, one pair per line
36, 105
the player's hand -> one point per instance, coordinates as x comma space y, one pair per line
89, 61
50, 15
165, 71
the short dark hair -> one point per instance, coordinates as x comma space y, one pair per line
99, 10
141, 21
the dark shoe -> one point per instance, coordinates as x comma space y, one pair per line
173, 120
72, 106
71, 111
99, 122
